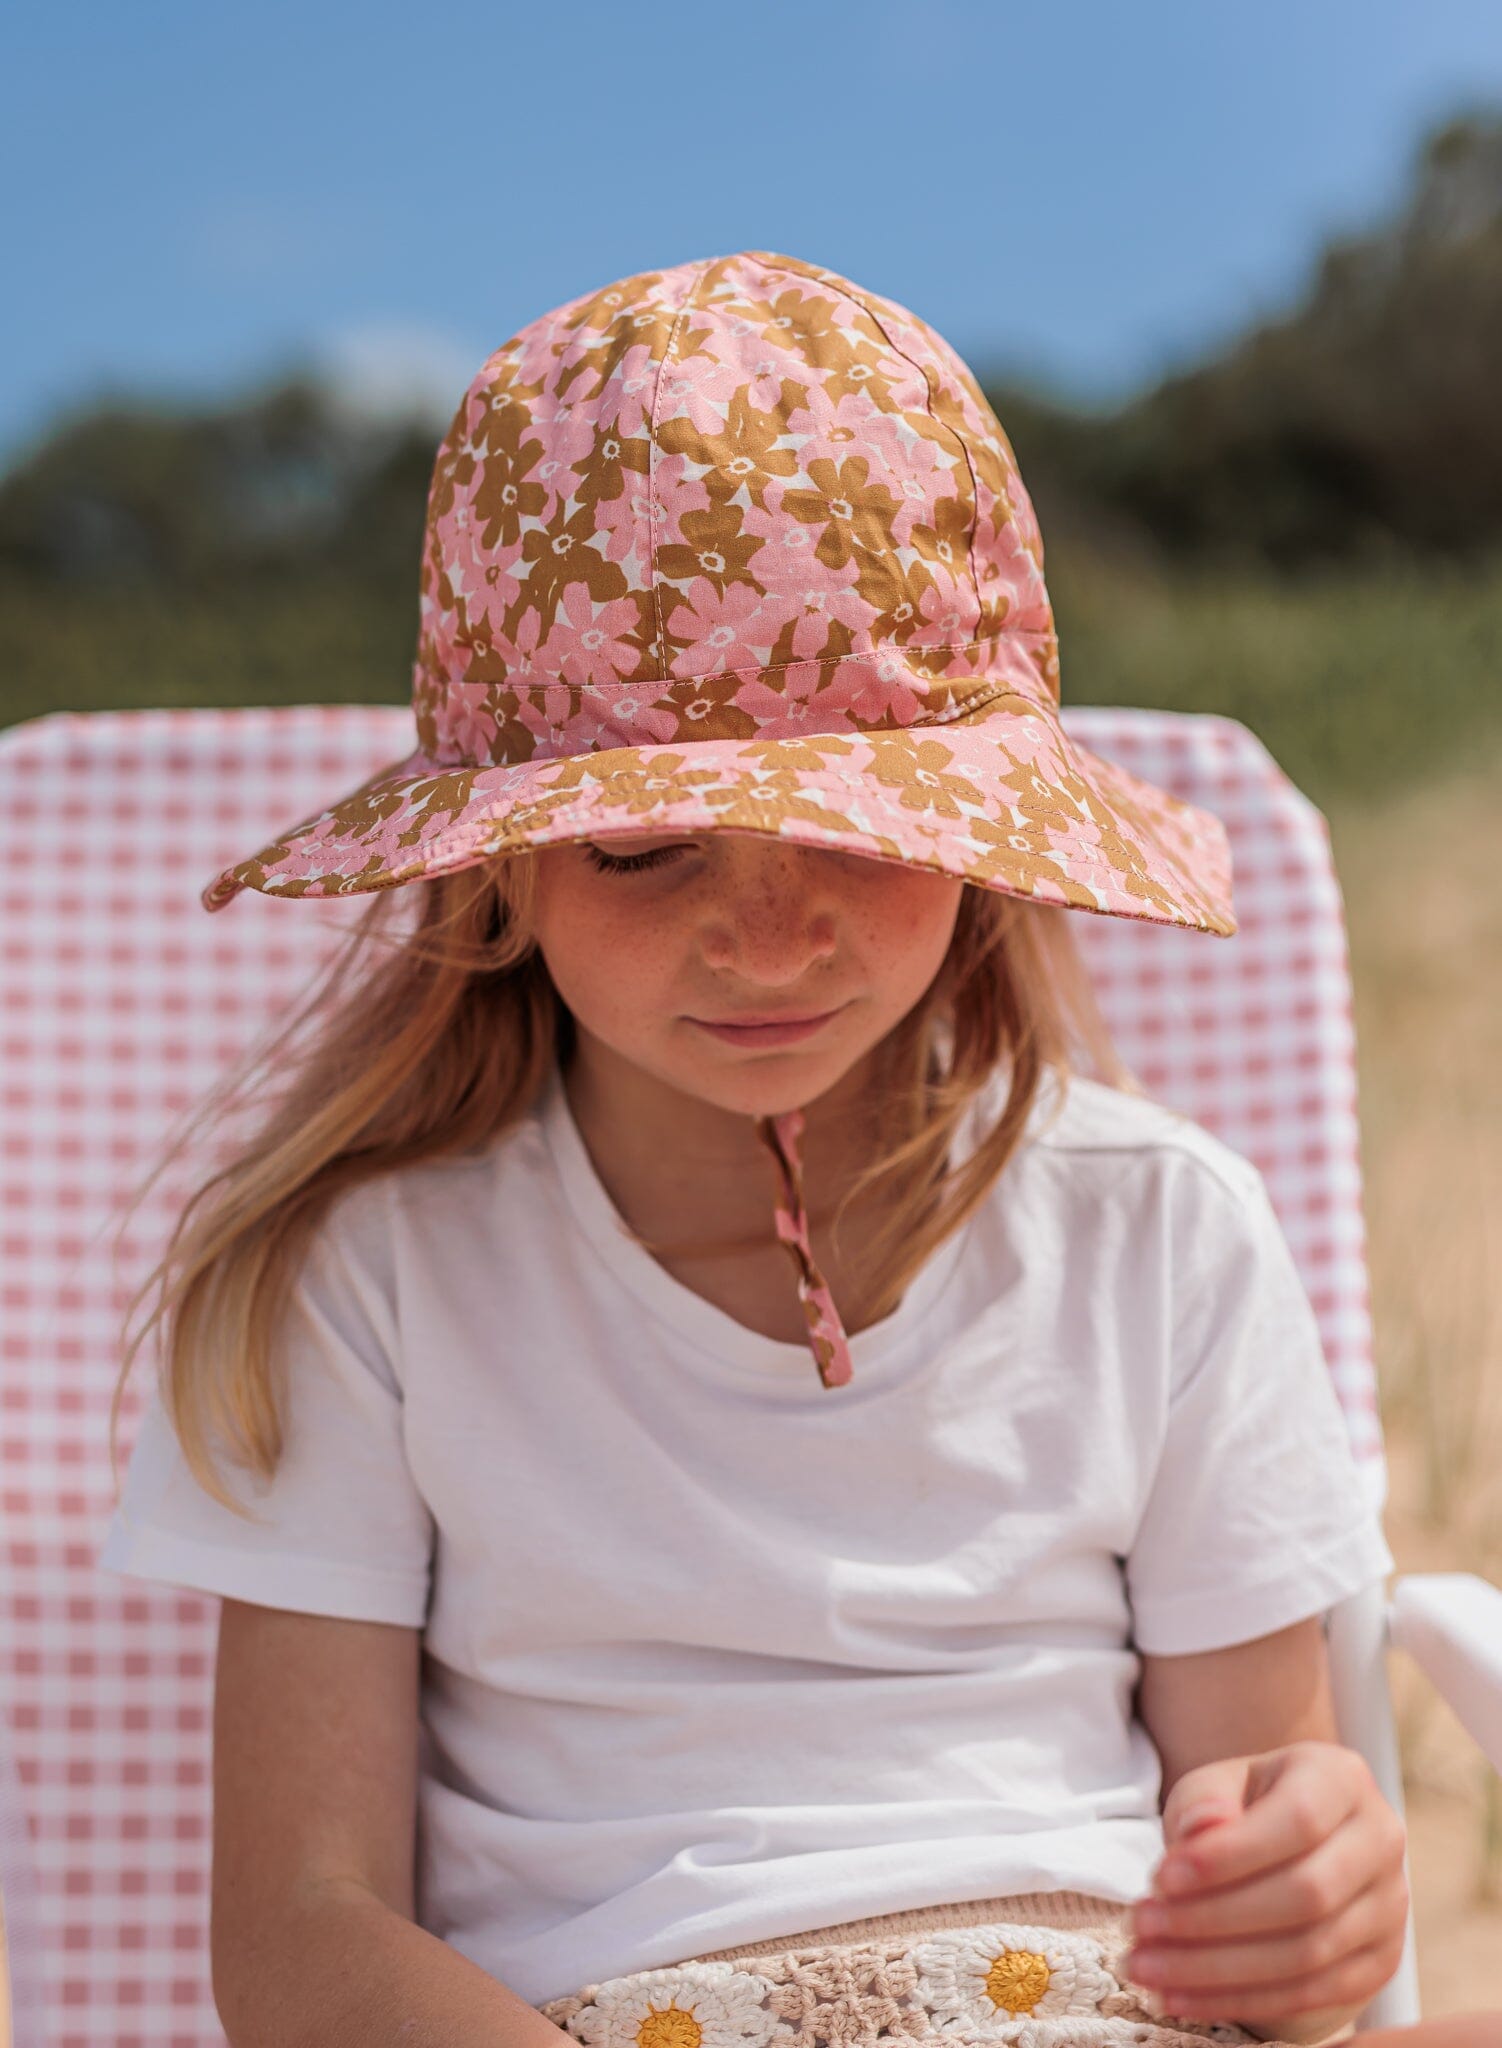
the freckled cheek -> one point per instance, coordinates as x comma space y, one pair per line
612, 970
911, 931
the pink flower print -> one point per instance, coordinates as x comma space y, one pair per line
758, 374
787, 561
549, 730
910, 463
729, 629
524, 670
437, 637
636, 719
485, 607
575, 438
589, 643
453, 539
844, 419
939, 841
788, 566
826, 607
676, 495
937, 611
698, 390
622, 521
784, 705
570, 438
566, 723
1019, 574
466, 719
765, 389
547, 713
533, 357
918, 495
885, 691
629, 391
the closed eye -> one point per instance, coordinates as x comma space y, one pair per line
626, 863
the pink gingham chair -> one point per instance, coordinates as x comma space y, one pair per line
124, 1000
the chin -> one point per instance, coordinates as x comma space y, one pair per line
766, 1083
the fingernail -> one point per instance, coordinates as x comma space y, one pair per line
1198, 1815
1176, 1877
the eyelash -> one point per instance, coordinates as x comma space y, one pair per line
628, 863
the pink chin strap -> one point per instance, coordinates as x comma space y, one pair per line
826, 1333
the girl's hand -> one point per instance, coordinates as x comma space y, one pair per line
1281, 1893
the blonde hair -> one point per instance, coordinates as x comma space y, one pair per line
439, 1040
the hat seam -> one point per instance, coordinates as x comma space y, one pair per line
842, 288
402, 769
928, 395
937, 721
652, 508
882, 652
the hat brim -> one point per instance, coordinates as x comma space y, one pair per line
1006, 802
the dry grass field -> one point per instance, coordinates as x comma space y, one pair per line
1423, 885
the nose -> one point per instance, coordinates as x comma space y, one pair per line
771, 918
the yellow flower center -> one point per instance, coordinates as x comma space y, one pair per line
1017, 1979
669, 2026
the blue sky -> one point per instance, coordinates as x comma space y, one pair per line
1081, 192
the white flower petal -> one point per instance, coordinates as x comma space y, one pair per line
1076, 2033
957, 1985
723, 2003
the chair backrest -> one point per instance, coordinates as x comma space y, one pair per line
123, 1001
20, 1936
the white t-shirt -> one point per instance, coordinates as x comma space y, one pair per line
716, 1653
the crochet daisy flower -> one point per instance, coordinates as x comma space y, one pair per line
1113, 2033
693, 2005
1071, 2033
983, 1980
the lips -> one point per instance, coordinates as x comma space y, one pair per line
770, 1017
781, 1030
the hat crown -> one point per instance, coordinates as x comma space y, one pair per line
734, 499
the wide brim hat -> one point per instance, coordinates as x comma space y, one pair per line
740, 546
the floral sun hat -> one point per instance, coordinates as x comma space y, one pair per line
741, 546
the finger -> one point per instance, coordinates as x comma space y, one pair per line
1309, 1800
1267, 1958
1364, 1849
1359, 1977
1208, 1793
1200, 1817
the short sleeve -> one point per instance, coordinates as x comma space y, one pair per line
1256, 1515
340, 1528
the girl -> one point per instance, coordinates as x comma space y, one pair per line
775, 1493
